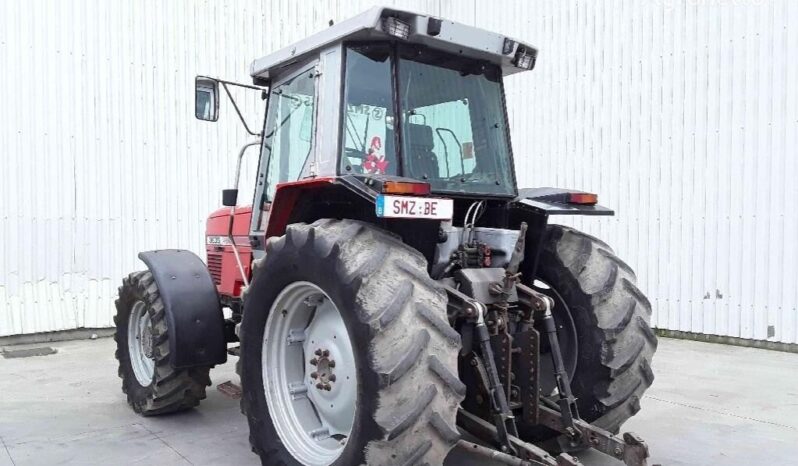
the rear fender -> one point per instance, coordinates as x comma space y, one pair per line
534, 206
286, 197
193, 312
554, 201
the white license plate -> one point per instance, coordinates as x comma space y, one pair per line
414, 207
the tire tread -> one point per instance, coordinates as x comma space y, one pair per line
622, 313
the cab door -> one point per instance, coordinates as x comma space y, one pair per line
288, 150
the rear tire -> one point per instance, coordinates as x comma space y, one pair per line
611, 318
405, 351
152, 385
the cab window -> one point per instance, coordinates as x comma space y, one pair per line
368, 126
289, 131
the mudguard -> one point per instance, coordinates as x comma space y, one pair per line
554, 201
535, 206
193, 311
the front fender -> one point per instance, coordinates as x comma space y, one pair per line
193, 311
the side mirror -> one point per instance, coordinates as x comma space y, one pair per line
206, 98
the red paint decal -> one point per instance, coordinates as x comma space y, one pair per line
375, 163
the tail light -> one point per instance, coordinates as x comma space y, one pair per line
583, 198
404, 187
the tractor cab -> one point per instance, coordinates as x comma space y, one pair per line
396, 94
386, 95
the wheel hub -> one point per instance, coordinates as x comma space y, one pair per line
324, 370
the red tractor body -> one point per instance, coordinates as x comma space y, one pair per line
220, 255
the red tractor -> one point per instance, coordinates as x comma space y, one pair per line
391, 293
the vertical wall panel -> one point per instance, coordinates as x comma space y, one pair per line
682, 115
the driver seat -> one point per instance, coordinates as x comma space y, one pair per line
422, 162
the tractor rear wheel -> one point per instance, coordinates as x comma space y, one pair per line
603, 325
346, 354
152, 385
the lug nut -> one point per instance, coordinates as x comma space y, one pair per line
332, 378
331, 363
318, 352
327, 387
314, 361
314, 375
320, 386
325, 353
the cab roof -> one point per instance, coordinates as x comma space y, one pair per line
382, 23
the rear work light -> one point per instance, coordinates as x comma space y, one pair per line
404, 187
583, 198
525, 58
396, 27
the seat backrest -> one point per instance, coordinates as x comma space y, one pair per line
420, 142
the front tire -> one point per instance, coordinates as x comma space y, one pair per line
404, 378
151, 384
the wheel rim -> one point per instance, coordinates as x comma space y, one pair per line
566, 335
309, 374
139, 343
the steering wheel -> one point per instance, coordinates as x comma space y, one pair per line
355, 153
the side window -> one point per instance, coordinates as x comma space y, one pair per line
290, 129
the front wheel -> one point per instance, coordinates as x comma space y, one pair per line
346, 354
151, 384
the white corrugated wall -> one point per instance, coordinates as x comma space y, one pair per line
682, 115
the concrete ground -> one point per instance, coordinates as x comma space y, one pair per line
710, 404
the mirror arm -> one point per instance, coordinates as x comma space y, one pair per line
240, 116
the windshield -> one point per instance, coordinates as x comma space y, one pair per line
452, 120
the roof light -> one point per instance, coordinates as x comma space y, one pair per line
525, 58
583, 198
396, 27
404, 187
507, 47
